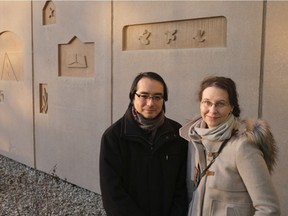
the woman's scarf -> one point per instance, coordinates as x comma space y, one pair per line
199, 132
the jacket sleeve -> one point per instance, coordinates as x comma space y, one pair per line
116, 200
254, 172
180, 204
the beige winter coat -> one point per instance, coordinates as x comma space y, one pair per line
238, 183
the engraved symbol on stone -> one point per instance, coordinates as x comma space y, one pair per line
144, 38
8, 72
170, 36
43, 98
51, 12
76, 58
176, 34
77, 61
200, 37
1, 95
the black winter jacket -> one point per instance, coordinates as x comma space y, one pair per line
138, 178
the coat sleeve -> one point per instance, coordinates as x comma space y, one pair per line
180, 203
190, 171
116, 200
256, 177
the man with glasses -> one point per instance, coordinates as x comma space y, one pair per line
142, 157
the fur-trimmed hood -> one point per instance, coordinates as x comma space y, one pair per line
258, 132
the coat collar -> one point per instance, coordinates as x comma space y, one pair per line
184, 130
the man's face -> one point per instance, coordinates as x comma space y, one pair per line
148, 100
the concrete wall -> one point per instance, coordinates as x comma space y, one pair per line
16, 84
185, 68
79, 104
75, 61
275, 91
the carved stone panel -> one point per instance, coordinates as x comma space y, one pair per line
11, 57
49, 13
193, 33
43, 93
76, 58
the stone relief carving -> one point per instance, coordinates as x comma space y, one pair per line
77, 61
8, 72
200, 36
1, 96
11, 57
144, 37
192, 33
43, 93
49, 13
170, 36
76, 58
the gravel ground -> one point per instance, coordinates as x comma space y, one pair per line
27, 192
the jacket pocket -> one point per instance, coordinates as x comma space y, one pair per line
219, 208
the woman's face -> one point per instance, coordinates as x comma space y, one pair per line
215, 106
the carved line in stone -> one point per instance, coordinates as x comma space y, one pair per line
202, 32
43, 98
11, 57
78, 62
8, 72
1, 96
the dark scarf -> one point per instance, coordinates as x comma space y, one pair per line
149, 125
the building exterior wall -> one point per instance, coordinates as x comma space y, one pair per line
275, 91
16, 82
75, 61
72, 58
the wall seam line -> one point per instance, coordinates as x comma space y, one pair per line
262, 58
33, 90
112, 62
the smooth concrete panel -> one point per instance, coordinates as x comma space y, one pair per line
275, 94
79, 105
183, 69
16, 105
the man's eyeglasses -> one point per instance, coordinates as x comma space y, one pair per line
208, 104
145, 97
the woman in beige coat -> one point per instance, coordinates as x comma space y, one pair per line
233, 159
